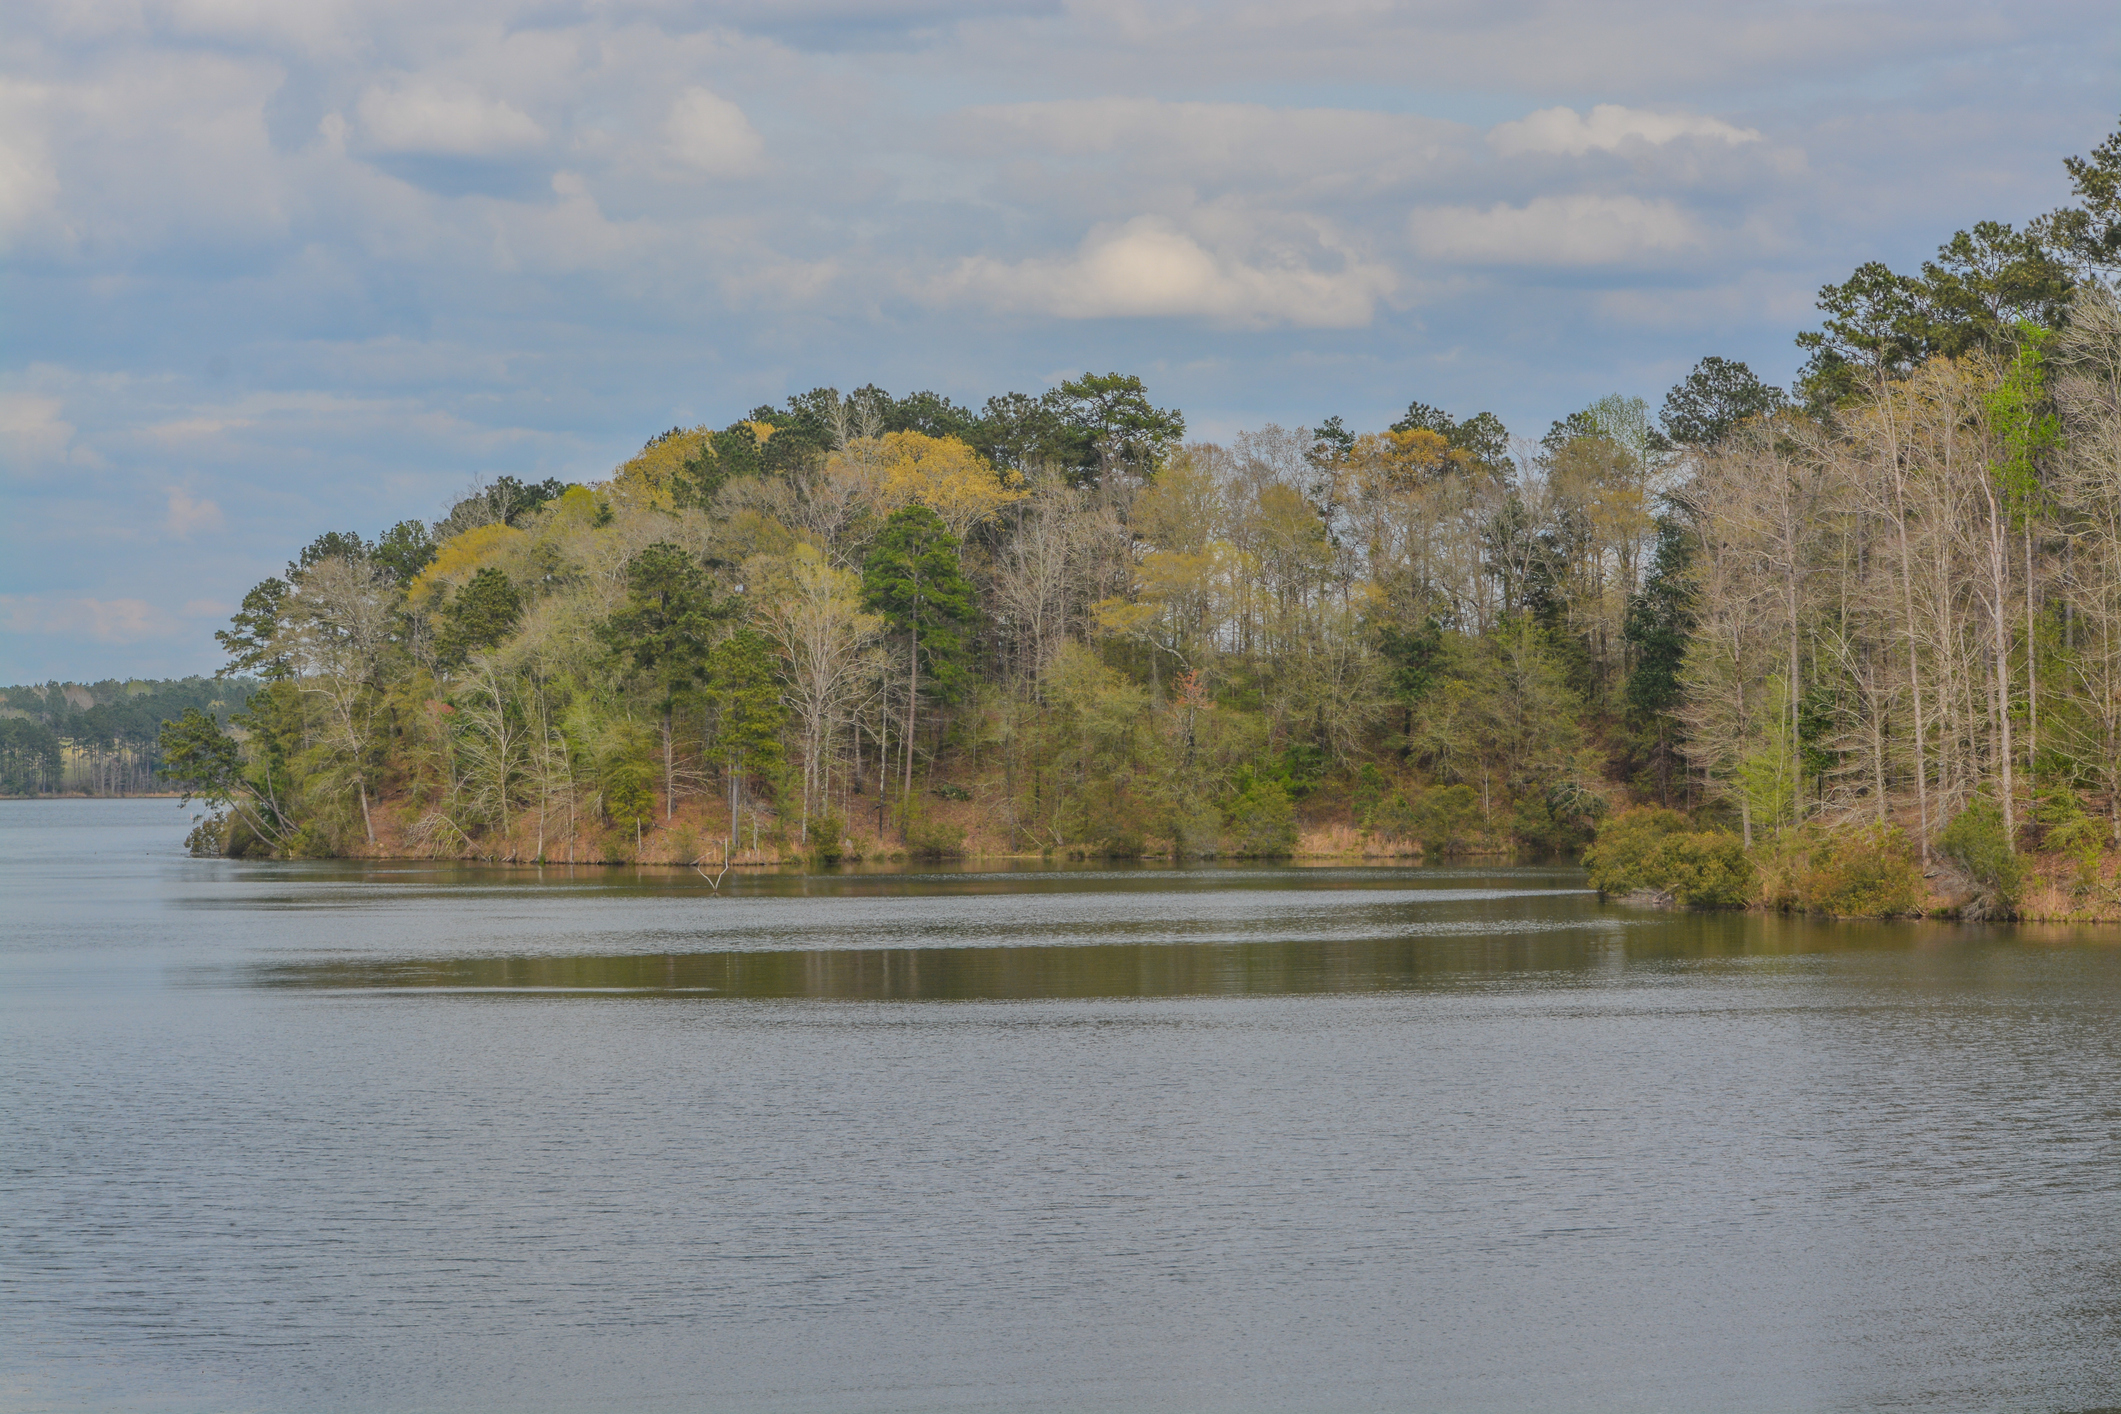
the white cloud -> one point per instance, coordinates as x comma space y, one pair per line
1148, 268
1555, 230
424, 119
188, 514
707, 132
1608, 128
104, 620
31, 431
29, 188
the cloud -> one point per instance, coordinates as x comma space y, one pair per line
1556, 230
1148, 269
191, 428
1608, 128
423, 120
187, 515
1220, 141
31, 431
29, 188
710, 134
104, 620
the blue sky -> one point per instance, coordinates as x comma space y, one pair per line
268, 269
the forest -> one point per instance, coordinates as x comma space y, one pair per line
66, 738
1849, 646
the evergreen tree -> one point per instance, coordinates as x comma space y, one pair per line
1703, 407
479, 615
661, 634
744, 697
1659, 622
913, 578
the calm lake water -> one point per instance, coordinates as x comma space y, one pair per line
412, 1137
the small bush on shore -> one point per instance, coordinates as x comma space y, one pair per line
1441, 818
1262, 821
1865, 871
1978, 844
1652, 848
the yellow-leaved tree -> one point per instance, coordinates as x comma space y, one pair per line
901, 469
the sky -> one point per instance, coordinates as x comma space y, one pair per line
272, 268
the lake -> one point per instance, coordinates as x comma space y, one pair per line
412, 1137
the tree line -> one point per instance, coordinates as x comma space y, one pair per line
1890, 593
98, 738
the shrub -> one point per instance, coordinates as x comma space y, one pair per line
1704, 869
1196, 827
1978, 844
1618, 861
1867, 871
1441, 818
628, 778
2080, 839
1124, 845
828, 839
1262, 821
2074, 835
931, 839
1444, 816
1653, 848
209, 837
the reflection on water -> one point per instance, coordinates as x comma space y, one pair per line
1427, 954
368, 1137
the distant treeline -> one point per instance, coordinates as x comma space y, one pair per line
99, 738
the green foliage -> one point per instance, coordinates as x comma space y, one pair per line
1416, 656
828, 838
1658, 626
2025, 422
2091, 231
201, 759
912, 577
30, 762
331, 545
504, 499
1703, 408
1127, 844
1442, 819
206, 763
1649, 848
2076, 836
626, 778
404, 550
1978, 844
931, 839
1983, 289
743, 697
1261, 820
250, 640
479, 616
1856, 871
1481, 436
661, 633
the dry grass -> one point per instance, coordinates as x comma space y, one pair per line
1347, 842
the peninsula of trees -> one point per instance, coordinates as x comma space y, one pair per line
1870, 623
